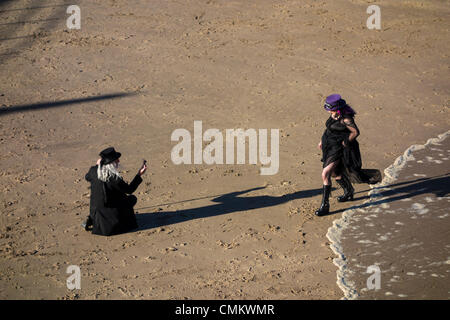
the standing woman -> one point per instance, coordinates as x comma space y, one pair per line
341, 156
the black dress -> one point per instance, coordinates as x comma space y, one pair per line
348, 158
111, 204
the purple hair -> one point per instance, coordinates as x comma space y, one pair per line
346, 109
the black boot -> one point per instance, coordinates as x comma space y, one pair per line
87, 224
346, 185
325, 206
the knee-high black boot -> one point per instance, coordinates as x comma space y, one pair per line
325, 206
346, 185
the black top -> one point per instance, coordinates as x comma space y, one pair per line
115, 192
348, 158
335, 133
110, 207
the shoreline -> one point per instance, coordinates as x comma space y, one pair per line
334, 233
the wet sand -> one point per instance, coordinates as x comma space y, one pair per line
403, 230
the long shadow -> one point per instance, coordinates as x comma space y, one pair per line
227, 203
30, 8
395, 185
439, 186
4, 3
55, 104
16, 38
25, 14
231, 202
31, 21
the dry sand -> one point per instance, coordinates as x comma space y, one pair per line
159, 65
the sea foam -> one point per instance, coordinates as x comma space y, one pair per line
334, 233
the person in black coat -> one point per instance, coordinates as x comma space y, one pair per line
112, 202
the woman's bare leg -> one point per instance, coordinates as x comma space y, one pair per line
327, 172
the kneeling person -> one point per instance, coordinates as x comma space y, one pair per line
111, 204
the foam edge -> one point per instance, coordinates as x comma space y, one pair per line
334, 233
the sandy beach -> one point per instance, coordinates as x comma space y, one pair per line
138, 70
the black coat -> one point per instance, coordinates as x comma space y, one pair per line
111, 209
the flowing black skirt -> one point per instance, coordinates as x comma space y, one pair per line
348, 159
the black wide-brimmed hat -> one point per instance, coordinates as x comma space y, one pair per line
109, 155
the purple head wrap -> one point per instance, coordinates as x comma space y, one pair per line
335, 102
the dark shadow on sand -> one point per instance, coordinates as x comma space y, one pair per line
31, 21
232, 202
31, 8
227, 203
26, 17
17, 38
62, 103
439, 186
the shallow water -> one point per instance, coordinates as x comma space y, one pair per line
402, 231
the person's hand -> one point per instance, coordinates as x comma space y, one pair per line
143, 169
343, 143
319, 145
